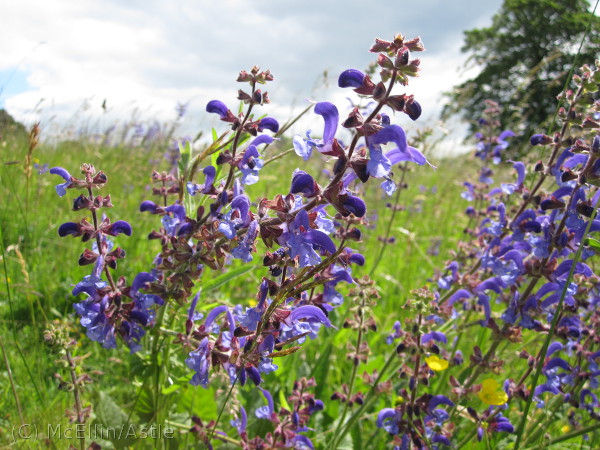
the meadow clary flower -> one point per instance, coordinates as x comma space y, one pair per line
199, 362
244, 250
302, 240
303, 183
304, 319
267, 411
174, 220
240, 422
251, 162
207, 188
237, 218
61, 189
379, 164
304, 147
388, 419
92, 310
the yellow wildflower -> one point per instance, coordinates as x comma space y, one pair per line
436, 363
491, 394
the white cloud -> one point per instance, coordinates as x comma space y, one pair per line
152, 54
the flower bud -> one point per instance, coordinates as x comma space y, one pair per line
402, 57
596, 144
413, 109
540, 139
351, 78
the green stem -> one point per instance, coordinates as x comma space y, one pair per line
157, 367
356, 362
77, 395
214, 428
368, 398
12, 381
573, 434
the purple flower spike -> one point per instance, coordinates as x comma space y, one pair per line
268, 123
461, 293
303, 183
241, 422
192, 314
554, 347
355, 206
403, 152
210, 172
216, 312
388, 420
61, 189
148, 205
351, 78
520, 168
437, 400
141, 280
262, 139
199, 362
265, 412
413, 109
321, 240
556, 362
69, 228
302, 442
254, 375
540, 139
504, 426
434, 336
310, 313
120, 226
331, 117
217, 107
357, 258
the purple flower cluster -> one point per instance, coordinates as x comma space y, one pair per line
528, 270
527, 273
111, 309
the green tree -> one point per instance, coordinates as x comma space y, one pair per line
525, 57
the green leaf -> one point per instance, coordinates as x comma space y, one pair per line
283, 401
320, 370
593, 243
170, 389
226, 278
186, 156
198, 401
145, 405
112, 422
215, 136
356, 434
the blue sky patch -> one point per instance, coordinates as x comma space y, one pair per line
13, 81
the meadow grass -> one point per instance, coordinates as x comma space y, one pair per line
40, 269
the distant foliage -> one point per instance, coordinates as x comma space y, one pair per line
525, 57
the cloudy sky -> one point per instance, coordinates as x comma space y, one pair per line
61, 59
